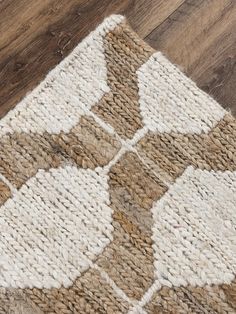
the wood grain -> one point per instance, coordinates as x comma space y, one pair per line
144, 16
200, 36
36, 35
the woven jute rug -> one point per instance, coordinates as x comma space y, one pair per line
117, 188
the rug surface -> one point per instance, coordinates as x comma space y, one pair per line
117, 188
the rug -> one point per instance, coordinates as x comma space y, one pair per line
117, 188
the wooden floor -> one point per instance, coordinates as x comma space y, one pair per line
199, 35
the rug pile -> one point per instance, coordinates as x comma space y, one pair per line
117, 188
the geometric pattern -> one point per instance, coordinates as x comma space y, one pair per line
166, 92
117, 188
52, 232
199, 206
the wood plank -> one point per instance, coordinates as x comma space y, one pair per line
35, 37
200, 36
146, 15
27, 21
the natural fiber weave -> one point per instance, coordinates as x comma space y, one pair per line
117, 188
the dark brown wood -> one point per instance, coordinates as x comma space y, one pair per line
36, 35
200, 36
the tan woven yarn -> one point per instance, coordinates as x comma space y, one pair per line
117, 188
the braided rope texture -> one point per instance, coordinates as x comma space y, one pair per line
117, 188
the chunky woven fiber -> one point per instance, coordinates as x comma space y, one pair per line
117, 188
